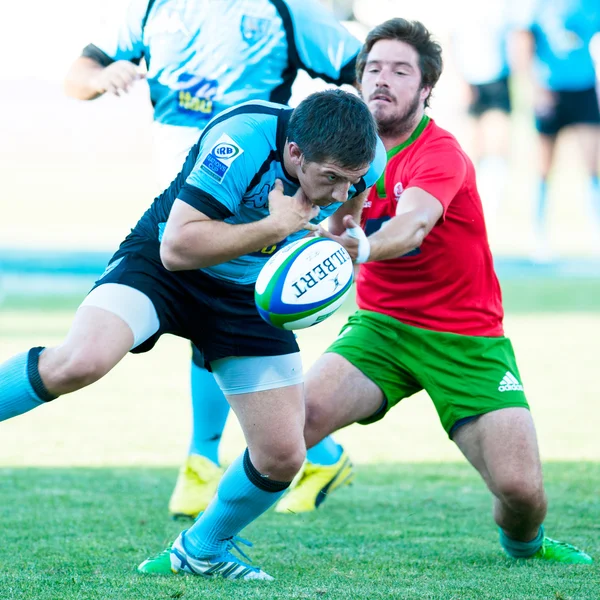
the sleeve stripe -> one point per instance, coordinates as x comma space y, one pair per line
347, 73
203, 202
97, 55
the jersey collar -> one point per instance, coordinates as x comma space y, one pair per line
380, 186
281, 137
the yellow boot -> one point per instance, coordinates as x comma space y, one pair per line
313, 484
196, 485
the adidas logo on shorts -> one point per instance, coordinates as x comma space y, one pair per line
510, 383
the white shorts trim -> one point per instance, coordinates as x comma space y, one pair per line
246, 374
131, 305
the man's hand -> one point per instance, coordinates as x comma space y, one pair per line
292, 213
348, 239
117, 78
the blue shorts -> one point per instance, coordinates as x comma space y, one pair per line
569, 108
218, 317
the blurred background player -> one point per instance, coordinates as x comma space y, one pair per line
480, 55
200, 59
553, 44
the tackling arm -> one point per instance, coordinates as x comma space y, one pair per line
417, 212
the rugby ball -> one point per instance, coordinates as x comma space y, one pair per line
303, 283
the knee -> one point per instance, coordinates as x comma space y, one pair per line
523, 495
281, 461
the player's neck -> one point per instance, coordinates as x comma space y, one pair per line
396, 135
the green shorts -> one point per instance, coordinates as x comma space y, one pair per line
465, 376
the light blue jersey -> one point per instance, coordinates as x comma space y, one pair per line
205, 56
563, 30
480, 42
228, 176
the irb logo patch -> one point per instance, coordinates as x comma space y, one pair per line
220, 157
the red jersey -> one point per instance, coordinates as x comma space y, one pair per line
449, 283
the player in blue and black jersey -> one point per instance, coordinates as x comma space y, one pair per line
259, 176
202, 58
555, 44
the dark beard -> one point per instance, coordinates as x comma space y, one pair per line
398, 125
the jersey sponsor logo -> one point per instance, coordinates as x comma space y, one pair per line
260, 198
253, 28
226, 150
398, 189
373, 225
220, 157
268, 251
195, 95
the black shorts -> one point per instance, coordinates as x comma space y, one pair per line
490, 96
570, 108
217, 316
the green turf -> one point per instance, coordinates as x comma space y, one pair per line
519, 295
410, 531
551, 295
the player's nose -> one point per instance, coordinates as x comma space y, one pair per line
340, 193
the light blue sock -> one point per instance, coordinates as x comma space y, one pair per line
17, 395
327, 452
239, 501
209, 414
541, 206
518, 549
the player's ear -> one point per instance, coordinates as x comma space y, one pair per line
295, 153
425, 93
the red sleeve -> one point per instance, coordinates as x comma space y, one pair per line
439, 169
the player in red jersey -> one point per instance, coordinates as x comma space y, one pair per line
430, 308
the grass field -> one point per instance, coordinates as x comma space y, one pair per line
85, 481
404, 531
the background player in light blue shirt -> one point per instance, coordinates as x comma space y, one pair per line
480, 52
179, 272
555, 46
203, 57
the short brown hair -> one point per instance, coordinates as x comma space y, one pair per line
416, 35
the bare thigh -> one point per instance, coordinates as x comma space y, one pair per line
96, 342
495, 133
547, 147
588, 138
502, 446
337, 394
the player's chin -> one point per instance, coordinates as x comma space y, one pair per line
323, 203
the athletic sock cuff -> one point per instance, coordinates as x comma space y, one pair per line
261, 481
518, 549
34, 375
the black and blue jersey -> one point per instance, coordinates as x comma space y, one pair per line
228, 175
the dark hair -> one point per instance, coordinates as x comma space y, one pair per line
416, 35
334, 126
